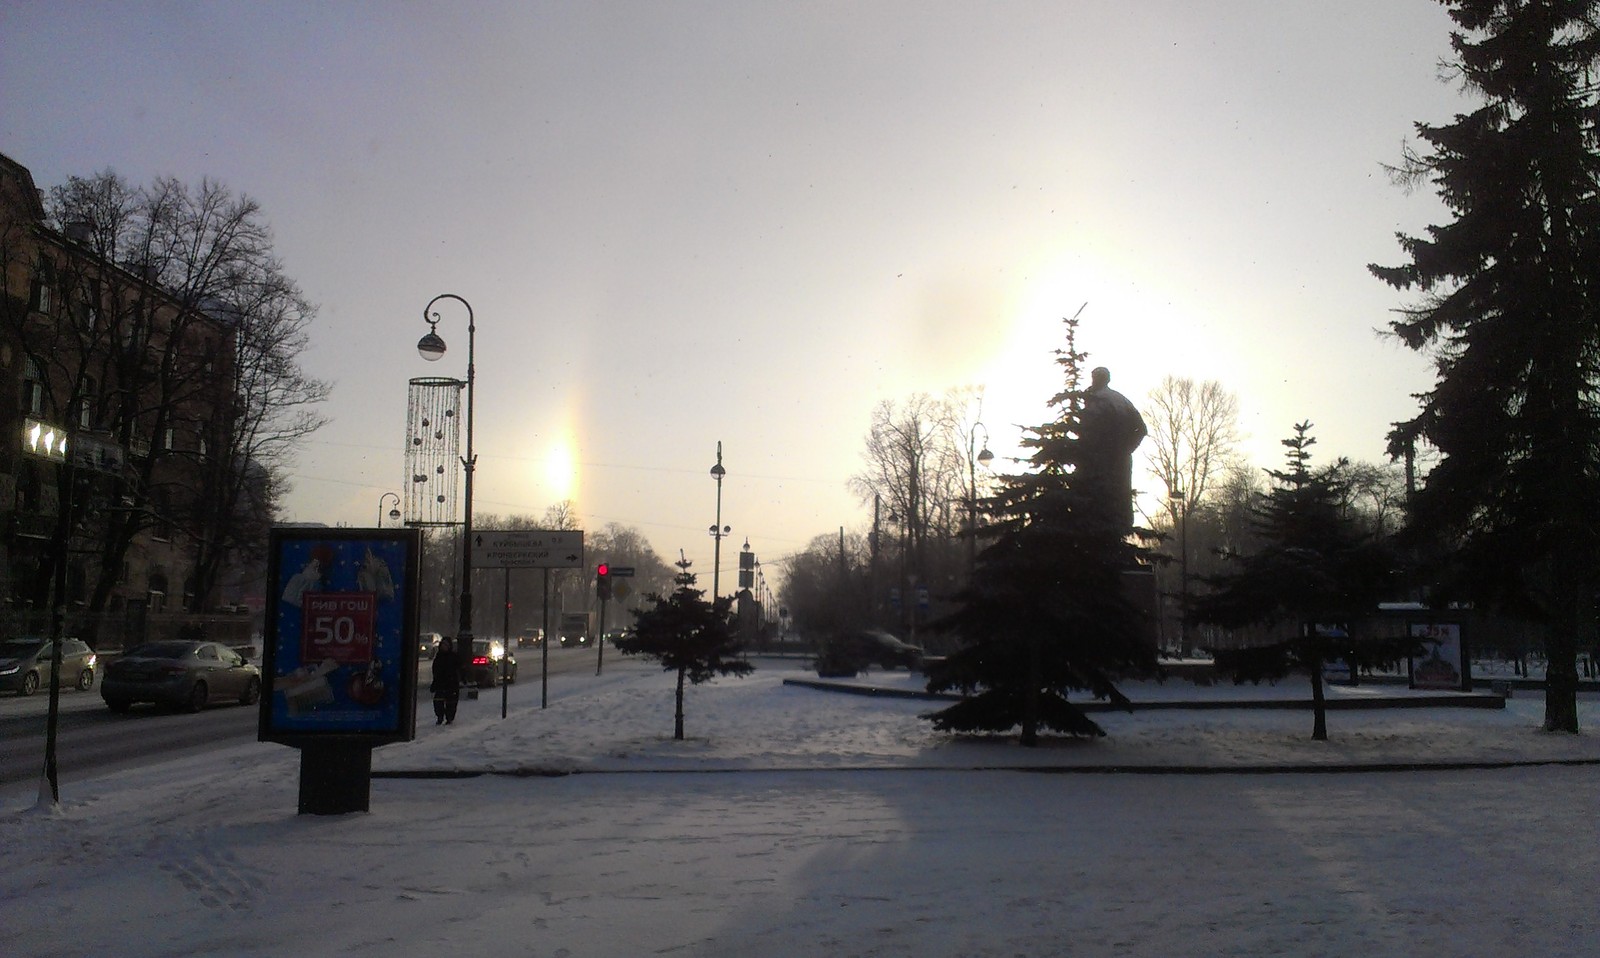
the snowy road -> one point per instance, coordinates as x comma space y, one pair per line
801, 823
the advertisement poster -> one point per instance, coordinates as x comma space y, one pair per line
341, 604
1442, 667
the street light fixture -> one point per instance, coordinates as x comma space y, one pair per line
394, 510
718, 530
432, 348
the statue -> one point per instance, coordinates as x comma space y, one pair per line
1110, 430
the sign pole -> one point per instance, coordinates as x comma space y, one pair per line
600, 640
505, 646
544, 667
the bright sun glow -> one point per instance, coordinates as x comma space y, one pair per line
560, 477
1129, 324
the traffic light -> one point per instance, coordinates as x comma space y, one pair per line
602, 581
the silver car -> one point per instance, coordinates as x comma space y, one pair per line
185, 675
25, 664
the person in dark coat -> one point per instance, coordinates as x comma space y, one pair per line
446, 685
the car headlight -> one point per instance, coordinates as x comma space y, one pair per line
10, 669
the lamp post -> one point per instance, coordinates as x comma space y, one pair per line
394, 510
1178, 501
984, 457
718, 530
431, 347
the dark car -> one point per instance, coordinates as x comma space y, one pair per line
851, 652
181, 674
484, 669
25, 664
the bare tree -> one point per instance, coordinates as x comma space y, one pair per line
825, 584
915, 467
1194, 429
1375, 493
1193, 433
176, 337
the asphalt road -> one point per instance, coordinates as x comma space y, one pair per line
92, 740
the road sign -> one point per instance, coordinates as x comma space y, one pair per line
621, 571
527, 549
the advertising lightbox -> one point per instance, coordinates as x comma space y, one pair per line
340, 657
1445, 665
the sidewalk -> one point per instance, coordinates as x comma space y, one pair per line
779, 718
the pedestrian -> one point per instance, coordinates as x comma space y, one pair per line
446, 685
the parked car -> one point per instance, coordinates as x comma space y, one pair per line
484, 670
25, 664
847, 654
181, 674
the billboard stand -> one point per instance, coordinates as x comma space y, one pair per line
339, 674
335, 778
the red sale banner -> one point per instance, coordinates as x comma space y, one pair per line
338, 627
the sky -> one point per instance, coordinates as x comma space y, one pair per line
685, 223
797, 822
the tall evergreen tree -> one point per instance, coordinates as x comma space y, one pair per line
1508, 310
1316, 578
688, 635
1046, 612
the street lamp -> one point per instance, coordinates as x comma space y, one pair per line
718, 530
394, 510
984, 457
1178, 503
431, 347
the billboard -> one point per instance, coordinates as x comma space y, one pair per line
340, 658
1445, 665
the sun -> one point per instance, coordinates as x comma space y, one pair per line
560, 467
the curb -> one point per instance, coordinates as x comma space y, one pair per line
1444, 700
1353, 768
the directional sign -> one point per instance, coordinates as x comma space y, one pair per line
621, 571
527, 549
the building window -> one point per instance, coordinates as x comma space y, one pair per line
32, 389
29, 495
161, 524
157, 592
86, 404
44, 281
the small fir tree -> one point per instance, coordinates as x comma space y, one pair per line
688, 635
1046, 612
1316, 577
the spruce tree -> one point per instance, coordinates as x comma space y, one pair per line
1316, 580
687, 635
1045, 613
1507, 309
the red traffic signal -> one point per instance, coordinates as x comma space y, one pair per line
602, 581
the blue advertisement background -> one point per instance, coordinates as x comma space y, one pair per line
319, 697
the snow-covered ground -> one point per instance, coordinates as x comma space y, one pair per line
802, 822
